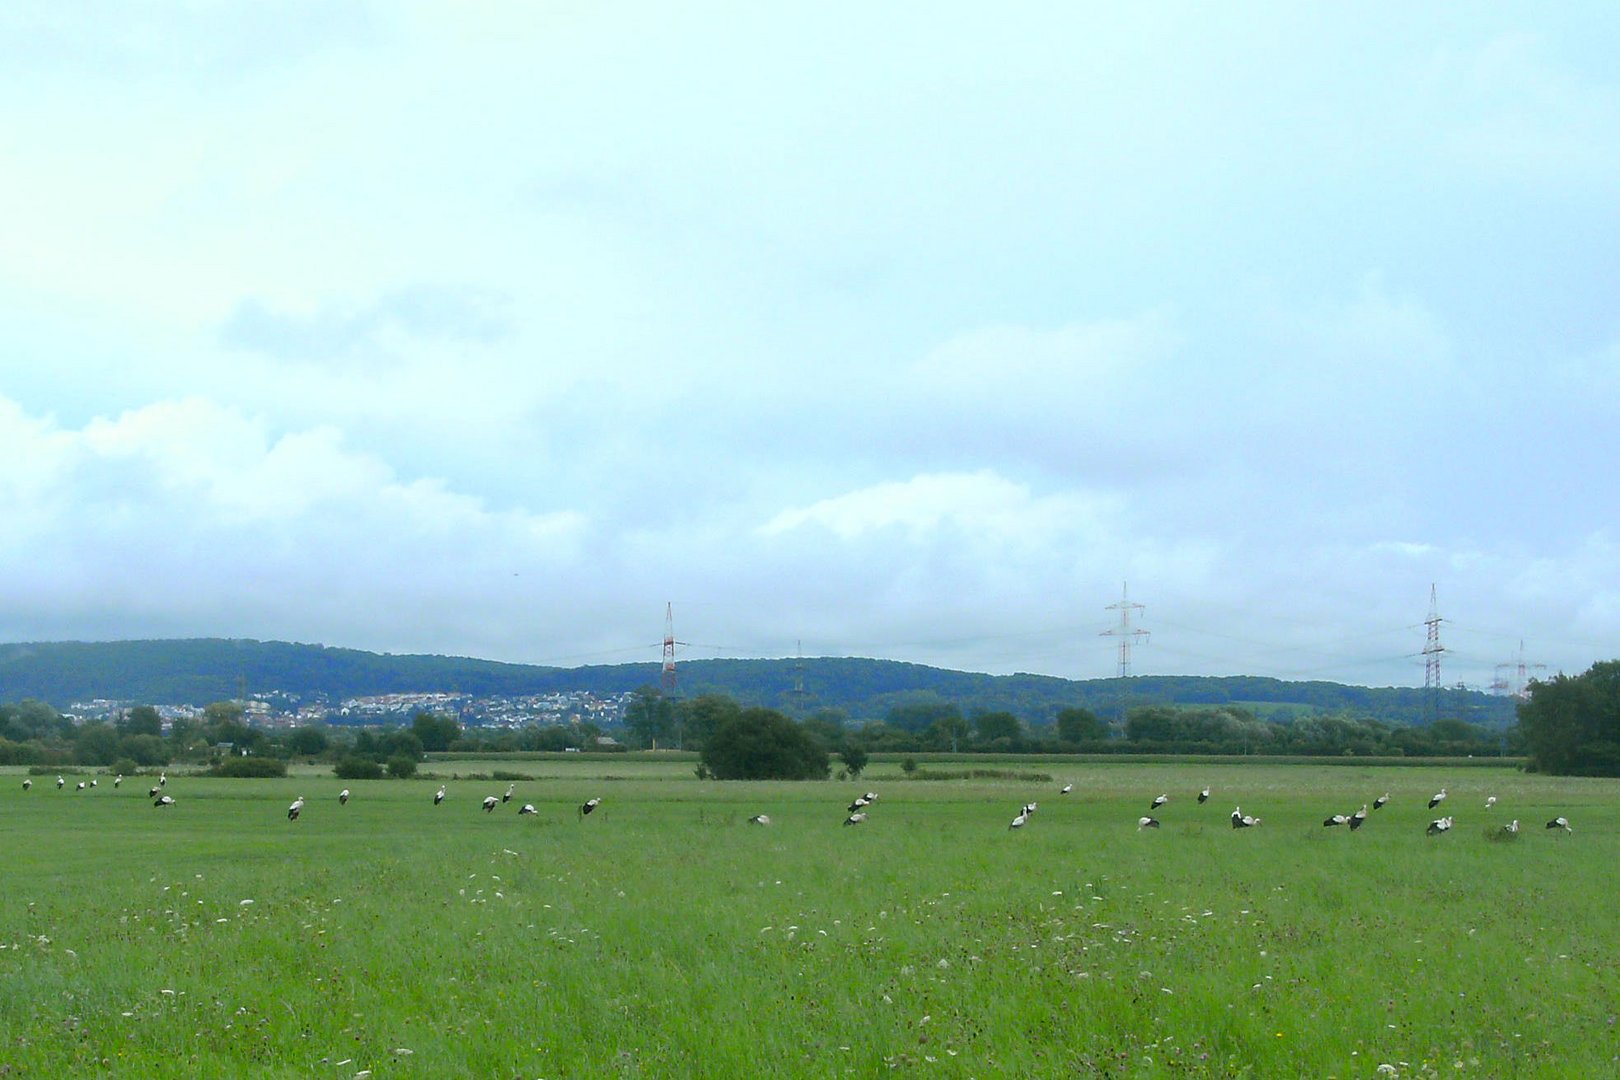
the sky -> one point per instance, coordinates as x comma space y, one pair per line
911, 331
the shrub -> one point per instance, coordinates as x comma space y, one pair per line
246, 767
402, 766
762, 744
357, 768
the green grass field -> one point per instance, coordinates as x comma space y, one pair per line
663, 936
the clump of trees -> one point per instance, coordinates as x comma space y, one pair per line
1571, 724
762, 744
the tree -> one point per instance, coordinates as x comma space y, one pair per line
920, 716
435, 733
1077, 725
1571, 725
141, 720
308, 740
997, 725
855, 758
650, 716
762, 744
97, 744
700, 717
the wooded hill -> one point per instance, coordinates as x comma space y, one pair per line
197, 671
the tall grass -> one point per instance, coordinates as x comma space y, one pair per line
663, 936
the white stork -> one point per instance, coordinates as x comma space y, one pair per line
165, 800
163, 779
27, 783
295, 809
1490, 801
490, 803
1240, 820
508, 796
81, 786
1030, 808
1438, 826
1378, 803
588, 805
855, 818
1439, 797
1019, 821
152, 792
438, 796
526, 808
759, 819
1512, 827
1146, 823
1160, 801
1560, 822
94, 781
118, 781
60, 783
1358, 817
1203, 796
861, 802
1337, 819
343, 797
1065, 789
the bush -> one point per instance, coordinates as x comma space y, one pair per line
762, 744
908, 765
249, 767
357, 768
402, 766
124, 767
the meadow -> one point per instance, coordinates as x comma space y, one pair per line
663, 936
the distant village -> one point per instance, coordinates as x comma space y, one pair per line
275, 711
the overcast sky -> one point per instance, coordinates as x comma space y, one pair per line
903, 330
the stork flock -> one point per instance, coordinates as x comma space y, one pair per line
859, 808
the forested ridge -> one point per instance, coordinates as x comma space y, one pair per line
198, 671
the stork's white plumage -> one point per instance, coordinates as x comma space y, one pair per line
1511, 827
438, 797
94, 782
118, 781
152, 792
759, 819
860, 803
1019, 821
295, 809
165, 800
588, 805
27, 783
1560, 822
1029, 808
60, 783
1439, 797
1065, 789
1203, 796
1438, 826
80, 786
1240, 820
1378, 803
163, 779
1146, 823
1490, 801
343, 797
1160, 801
855, 818
490, 803
1337, 819
508, 796
526, 808
1358, 817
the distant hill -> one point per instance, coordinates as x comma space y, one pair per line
201, 670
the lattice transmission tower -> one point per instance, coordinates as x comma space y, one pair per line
666, 679
1431, 658
1126, 633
